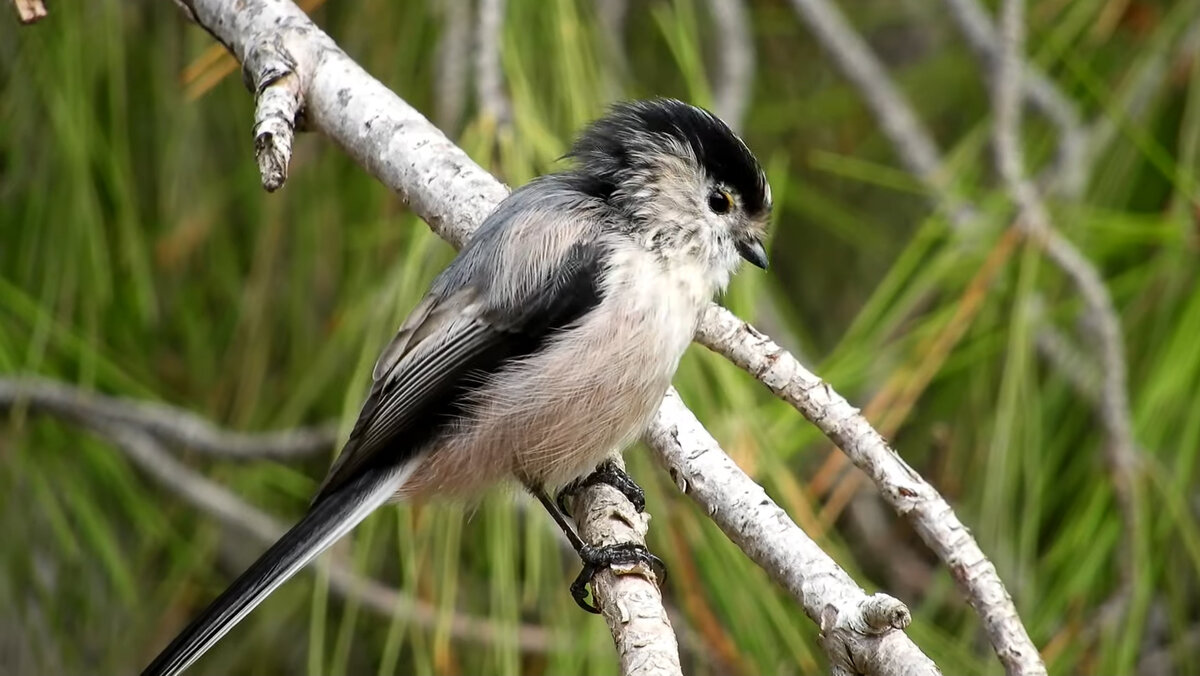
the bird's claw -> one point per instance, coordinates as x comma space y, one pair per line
606, 473
623, 554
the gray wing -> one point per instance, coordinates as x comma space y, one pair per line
528, 273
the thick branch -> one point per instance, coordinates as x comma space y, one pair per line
641, 630
861, 634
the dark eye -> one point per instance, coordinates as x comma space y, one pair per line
720, 202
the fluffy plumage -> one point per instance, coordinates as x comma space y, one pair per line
549, 341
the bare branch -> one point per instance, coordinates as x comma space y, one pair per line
612, 16
901, 486
168, 424
1115, 415
1068, 360
1071, 170
735, 61
453, 61
861, 634
30, 11
641, 630
489, 77
147, 453
271, 74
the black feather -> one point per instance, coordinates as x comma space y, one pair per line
316, 531
616, 143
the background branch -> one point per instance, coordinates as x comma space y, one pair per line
1120, 449
489, 76
168, 424
132, 435
1071, 171
734, 81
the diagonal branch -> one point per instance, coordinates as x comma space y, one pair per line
168, 424
1121, 448
1070, 174
862, 634
143, 445
901, 486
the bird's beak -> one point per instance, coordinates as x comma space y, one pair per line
752, 250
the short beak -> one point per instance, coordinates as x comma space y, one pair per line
752, 250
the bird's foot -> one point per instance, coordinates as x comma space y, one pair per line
606, 473
597, 558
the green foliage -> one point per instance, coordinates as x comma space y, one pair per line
138, 256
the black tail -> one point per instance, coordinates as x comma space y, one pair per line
328, 520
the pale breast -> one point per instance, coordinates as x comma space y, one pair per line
591, 391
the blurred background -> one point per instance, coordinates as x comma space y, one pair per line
139, 257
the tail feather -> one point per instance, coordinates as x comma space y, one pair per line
327, 521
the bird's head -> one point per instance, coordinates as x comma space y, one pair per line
686, 183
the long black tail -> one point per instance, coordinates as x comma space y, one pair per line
328, 520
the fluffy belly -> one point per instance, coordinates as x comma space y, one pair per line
553, 417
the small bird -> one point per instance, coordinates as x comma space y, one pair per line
545, 347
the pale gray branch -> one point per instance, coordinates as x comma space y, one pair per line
1070, 361
168, 424
1070, 174
145, 450
489, 75
628, 596
1034, 219
734, 80
269, 69
901, 486
862, 634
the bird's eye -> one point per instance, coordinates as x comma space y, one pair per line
720, 201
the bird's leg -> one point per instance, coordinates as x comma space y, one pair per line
595, 558
606, 473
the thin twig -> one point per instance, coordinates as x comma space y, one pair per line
734, 80
1069, 176
489, 76
1069, 360
1115, 416
901, 486
168, 424
453, 62
147, 453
